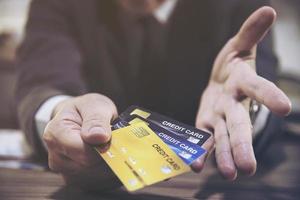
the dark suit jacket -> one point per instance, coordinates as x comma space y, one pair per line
74, 47
8, 117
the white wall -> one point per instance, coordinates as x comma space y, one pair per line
287, 35
13, 15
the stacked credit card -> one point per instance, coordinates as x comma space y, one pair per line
147, 147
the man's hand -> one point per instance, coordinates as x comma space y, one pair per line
77, 125
224, 108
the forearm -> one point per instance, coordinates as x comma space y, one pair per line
47, 54
27, 107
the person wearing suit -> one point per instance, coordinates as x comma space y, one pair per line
82, 61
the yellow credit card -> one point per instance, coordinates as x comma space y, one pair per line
124, 172
138, 150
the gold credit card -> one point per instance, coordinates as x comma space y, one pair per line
122, 169
139, 157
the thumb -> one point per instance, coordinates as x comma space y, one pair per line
254, 29
96, 114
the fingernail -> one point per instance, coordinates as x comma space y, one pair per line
98, 135
97, 130
245, 159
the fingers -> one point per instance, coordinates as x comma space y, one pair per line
61, 164
204, 121
263, 91
97, 112
240, 131
63, 137
73, 122
254, 29
223, 153
267, 93
198, 164
88, 178
232, 139
69, 136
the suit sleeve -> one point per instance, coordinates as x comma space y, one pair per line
266, 62
49, 63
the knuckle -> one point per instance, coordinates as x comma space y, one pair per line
106, 104
87, 96
222, 154
220, 136
241, 145
209, 145
83, 159
253, 85
53, 135
71, 148
53, 127
49, 140
94, 97
67, 115
201, 124
78, 154
53, 167
54, 164
239, 126
218, 107
204, 121
57, 125
49, 135
95, 120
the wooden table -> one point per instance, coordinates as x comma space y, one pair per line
278, 177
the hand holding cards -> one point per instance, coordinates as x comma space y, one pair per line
147, 148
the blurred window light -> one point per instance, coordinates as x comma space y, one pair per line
287, 35
13, 16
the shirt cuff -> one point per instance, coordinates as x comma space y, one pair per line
43, 115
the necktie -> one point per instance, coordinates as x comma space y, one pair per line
152, 70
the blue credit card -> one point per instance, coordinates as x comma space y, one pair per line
184, 148
119, 123
191, 133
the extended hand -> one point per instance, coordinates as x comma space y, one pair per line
78, 124
224, 108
